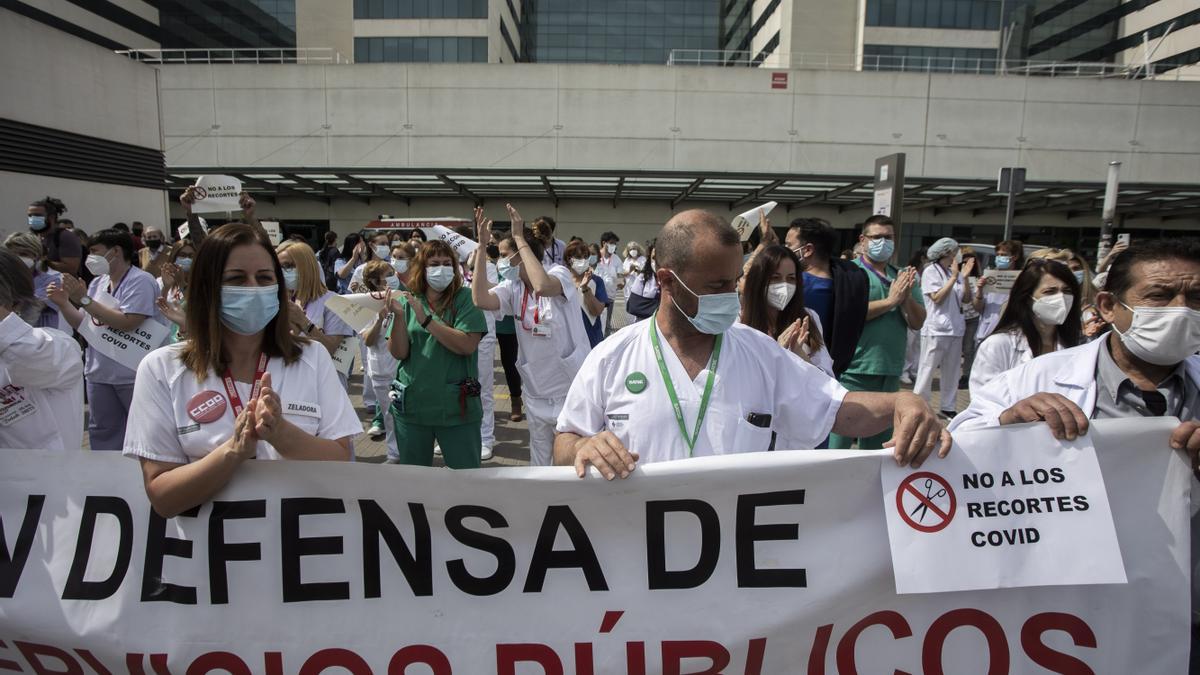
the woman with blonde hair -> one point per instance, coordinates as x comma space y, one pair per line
241, 387
436, 394
307, 313
28, 247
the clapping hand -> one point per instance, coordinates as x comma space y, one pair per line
247, 204
268, 411
244, 442
518, 223
172, 310
968, 267
417, 308
296, 317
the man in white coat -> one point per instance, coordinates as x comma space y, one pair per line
1145, 367
691, 382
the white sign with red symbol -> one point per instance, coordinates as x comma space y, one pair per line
215, 194
1023, 510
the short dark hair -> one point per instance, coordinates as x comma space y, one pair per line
535, 246
65, 220
878, 219
1120, 273
120, 226
677, 239
818, 232
547, 220
113, 238
609, 236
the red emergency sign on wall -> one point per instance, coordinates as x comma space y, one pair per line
779, 80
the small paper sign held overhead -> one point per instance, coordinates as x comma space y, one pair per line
185, 230
273, 231
216, 193
747, 222
462, 246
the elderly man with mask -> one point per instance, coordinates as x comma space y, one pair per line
1145, 367
692, 382
155, 251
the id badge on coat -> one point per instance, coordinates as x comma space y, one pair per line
540, 330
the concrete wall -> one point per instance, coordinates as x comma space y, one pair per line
545, 116
55, 80
326, 23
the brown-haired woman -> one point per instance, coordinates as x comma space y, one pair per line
436, 393
773, 304
240, 387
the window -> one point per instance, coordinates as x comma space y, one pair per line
622, 31
957, 14
420, 9
420, 50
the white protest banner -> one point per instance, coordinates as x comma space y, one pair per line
772, 563
358, 310
1001, 517
1002, 280
463, 246
126, 348
343, 356
273, 230
746, 223
216, 193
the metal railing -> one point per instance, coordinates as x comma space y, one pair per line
247, 55
921, 64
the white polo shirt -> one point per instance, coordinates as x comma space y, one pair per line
41, 388
161, 429
550, 334
621, 389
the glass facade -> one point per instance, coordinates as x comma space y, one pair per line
420, 50
227, 24
1058, 30
929, 59
959, 14
420, 9
621, 31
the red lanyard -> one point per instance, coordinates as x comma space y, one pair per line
235, 401
524, 304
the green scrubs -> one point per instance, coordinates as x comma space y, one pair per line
879, 358
433, 407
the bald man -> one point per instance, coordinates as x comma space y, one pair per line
692, 382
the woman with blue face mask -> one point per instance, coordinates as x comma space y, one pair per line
241, 386
436, 393
308, 313
1010, 257
379, 366
173, 280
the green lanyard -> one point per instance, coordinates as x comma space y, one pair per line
708, 386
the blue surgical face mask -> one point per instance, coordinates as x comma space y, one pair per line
400, 265
246, 310
880, 250
1003, 262
1078, 276
185, 264
715, 312
439, 277
37, 223
592, 260
507, 270
291, 277
393, 283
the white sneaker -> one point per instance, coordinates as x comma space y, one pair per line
485, 453
437, 449
376, 432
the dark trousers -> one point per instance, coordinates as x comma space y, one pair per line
508, 359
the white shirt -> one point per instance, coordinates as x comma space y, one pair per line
608, 271
945, 319
998, 353
754, 375
160, 428
547, 363
993, 306
41, 388
633, 264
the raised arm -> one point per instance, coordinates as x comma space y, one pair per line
481, 286
543, 284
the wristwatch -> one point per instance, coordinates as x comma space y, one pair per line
310, 327
85, 301
425, 323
